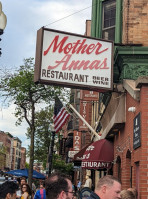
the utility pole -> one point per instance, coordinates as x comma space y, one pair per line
50, 157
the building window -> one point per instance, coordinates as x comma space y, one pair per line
109, 16
78, 93
78, 107
119, 167
107, 19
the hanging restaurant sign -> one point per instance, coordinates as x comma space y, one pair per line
72, 60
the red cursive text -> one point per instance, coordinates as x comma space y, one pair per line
77, 47
77, 65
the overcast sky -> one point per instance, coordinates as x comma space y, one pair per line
24, 18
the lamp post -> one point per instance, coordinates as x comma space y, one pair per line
3, 22
50, 157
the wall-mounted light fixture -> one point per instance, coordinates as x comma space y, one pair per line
132, 109
3, 22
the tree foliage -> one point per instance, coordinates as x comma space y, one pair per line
20, 89
60, 165
43, 120
26, 165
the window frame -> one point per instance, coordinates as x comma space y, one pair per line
97, 12
103, 20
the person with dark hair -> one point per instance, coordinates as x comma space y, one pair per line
8, 190
58, 186
21, 182
41, 193
107, 187
26, 191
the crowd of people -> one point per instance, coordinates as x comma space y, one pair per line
59, 186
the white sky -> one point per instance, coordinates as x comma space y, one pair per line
24, 18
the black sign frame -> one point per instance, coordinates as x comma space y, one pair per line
137, 131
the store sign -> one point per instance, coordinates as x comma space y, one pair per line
86, 107
72, 153
137, 132
73, 60
89, 95
84, 112
77, 141
96, 165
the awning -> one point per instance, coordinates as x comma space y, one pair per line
79, 155
98, 155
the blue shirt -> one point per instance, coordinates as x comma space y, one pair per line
38, 194
79, 184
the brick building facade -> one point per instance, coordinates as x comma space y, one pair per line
130, 160
12, 155
135, 23
6, 140
124, 119
121, 114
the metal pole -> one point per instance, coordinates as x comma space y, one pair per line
51, 153
92, 130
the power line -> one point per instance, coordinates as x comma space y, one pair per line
67, 16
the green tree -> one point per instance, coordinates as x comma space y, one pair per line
60, 165
20, 88
26, 165
43, 120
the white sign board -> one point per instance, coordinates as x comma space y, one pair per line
73, 60
72, 153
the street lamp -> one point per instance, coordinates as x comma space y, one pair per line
3, 22
50, 157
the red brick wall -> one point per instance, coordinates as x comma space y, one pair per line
124, 142
6, 141
144, 146
135, 21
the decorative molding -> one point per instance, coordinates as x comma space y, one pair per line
132, 71
131, 62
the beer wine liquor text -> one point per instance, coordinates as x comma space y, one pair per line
73, 59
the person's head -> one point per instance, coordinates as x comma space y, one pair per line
58, 186
134, 191
126, 194
8, 190
42, 185
87, 177
108, 187
23, 181
26, 188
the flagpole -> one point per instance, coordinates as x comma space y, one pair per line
91, 129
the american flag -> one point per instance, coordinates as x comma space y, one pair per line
60, 115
